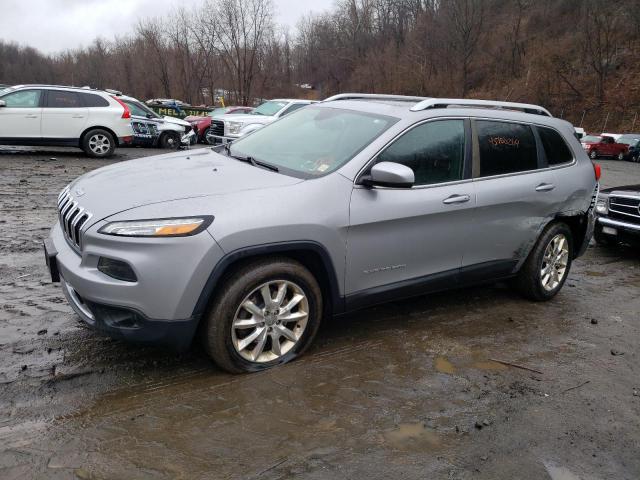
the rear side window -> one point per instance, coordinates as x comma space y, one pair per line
93, 100
505, 148
433, 150
62, 99
555, 148
293, 108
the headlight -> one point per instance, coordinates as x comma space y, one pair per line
234, 127
162, 227
602, 205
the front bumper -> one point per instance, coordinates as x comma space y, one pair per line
619, 230
157, 308
126, 140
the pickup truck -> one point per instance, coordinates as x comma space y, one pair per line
603, 146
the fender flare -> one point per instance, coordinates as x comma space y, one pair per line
337, 300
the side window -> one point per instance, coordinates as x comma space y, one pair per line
93, 100
293, 108
433, 150
62, 99
23, 99
505, 148
555, 148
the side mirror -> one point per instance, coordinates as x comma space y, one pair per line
389, 174
149, 115
3, 103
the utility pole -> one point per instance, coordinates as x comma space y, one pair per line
604, 127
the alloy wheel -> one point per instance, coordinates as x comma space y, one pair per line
554, 262
270, 321
99, 144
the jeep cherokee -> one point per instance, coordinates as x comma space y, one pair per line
346, 203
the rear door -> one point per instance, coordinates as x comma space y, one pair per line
403, 241
64, 115
22, 115
516, 196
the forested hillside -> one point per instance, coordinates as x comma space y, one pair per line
578, 58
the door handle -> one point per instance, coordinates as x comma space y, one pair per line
31, 116
545, 187
456, 199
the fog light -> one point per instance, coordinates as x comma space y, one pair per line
602, 207
117, 269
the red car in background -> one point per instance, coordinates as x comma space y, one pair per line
604, 146
201, 124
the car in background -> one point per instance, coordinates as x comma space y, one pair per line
603, 146
615, 136
167, 102
618, 215
633, 141
153, 130
227, 128
52, 115
202, 124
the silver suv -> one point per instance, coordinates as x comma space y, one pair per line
350, 202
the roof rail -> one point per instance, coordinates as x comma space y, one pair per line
374, 96
453, 102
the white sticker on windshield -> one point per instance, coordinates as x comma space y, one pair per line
322, 167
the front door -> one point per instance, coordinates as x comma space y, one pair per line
404, 241
64, 116
21, 116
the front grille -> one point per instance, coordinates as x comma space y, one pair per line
72, 218
625, 208
217, 127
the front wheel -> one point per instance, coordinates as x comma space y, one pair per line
98, 143
593, 154
267, 313
205, 135
547, 266
169, 140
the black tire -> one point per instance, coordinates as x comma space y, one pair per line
236, 286
602, 239
204, 135
169, 140
98, 143
593, 155
529, 279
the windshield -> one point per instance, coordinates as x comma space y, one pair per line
139, 109
269, 108
591, 138
629, 140
312, 141
218, 111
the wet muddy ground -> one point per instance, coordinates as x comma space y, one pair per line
413, 389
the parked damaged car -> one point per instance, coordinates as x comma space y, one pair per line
202, 124
153, 130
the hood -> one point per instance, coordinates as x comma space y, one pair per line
623, 190
245, 118
162, 178
177, 121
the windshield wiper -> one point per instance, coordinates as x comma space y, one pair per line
251, 160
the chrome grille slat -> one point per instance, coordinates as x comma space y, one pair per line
628, 206
72, 218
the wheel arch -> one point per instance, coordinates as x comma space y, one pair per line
309, 253
97, 127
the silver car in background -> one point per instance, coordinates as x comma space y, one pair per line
346, 203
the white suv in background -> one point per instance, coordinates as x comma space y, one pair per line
230, 127
48, 115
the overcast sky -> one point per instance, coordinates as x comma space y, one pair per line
55, 25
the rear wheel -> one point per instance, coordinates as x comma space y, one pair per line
620, 156
266, 314
98, 143
169, 140
547, 266
204, 135
593, 154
